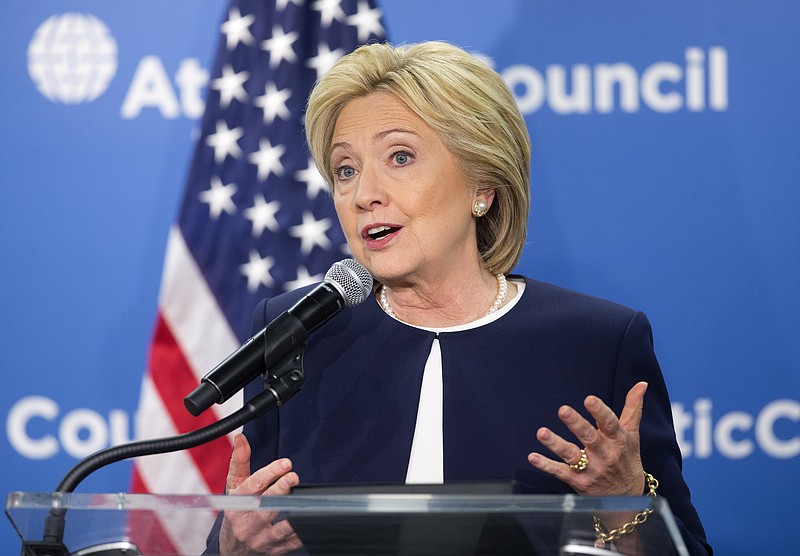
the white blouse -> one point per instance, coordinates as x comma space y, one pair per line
426, 464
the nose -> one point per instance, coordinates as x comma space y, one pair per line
370, 190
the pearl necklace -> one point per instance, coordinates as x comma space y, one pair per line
502, 292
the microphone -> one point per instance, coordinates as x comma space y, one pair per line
346, 284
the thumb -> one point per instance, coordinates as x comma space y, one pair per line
239, 468
631, 415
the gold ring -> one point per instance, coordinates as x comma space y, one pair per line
581, 463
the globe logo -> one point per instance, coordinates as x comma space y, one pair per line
72, 58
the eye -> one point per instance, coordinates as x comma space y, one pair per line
401, 158
344, 172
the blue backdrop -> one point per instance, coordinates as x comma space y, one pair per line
665, 177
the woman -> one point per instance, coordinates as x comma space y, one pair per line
454, 371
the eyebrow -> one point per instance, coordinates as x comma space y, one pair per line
378, 136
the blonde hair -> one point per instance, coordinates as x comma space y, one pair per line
466, 103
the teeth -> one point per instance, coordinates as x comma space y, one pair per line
377, 230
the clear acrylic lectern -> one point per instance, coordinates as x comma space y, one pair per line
407, 524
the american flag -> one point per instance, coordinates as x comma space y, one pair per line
255, 222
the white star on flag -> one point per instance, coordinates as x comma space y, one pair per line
219, 198
368, 21
230, 85
311, 232
237, 29
280, 5
279, 46
324, 59
273, 102
303, 279
225, 142
329, 10
312, 178
262, 215
268, 159
257, 271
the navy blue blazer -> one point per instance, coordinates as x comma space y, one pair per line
353, 421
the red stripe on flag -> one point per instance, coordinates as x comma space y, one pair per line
174, 379
144, 529
137, 485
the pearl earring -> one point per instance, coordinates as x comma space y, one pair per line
479, 208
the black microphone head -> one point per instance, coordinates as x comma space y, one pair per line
352, 280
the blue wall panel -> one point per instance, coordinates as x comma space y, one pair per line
675, 192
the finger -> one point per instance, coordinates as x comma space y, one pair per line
270, 538
282, 538
281, 531
262, 479
567, 451
289, 545
244, 529
607, 422
560, 471
580, 427
239, 468
631, 416
283, 485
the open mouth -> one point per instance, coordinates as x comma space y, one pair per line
379, 232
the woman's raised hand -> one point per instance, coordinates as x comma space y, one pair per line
246, 532
610, 463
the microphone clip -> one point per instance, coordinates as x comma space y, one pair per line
286, 377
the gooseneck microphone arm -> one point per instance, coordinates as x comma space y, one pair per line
288, 379
278, 392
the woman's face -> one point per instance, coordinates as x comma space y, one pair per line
401, 198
